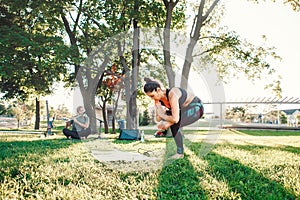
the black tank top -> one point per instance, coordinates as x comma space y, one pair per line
181, 99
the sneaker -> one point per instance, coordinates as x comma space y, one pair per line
160, 134
177, 156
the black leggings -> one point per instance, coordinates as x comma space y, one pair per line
188, 115
76, 134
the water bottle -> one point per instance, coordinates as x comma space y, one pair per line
142, 136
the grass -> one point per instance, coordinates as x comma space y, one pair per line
271, 132
239, 166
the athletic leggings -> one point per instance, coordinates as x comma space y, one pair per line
188, 115
76, 134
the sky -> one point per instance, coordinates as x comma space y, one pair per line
281, 25
278, 22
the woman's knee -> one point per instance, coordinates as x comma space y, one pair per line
65, 131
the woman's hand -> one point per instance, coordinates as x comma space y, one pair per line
163, 125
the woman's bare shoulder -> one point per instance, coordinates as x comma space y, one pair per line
175, 92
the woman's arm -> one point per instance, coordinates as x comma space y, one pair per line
158, 118
157, 104
174, 96
83, 125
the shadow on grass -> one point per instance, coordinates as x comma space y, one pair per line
28, 153
179, 180
241, 179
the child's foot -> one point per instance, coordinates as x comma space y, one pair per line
177, 156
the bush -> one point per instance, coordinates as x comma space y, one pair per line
145, 118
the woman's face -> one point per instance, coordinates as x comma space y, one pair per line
81, 111
155, 95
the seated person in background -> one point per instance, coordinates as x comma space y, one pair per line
80, 123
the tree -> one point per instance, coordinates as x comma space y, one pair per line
19, 109
224, 49
91, 22
62, 112
109, 84
283, 118
86, 23
6, 109
32, 57
237, 113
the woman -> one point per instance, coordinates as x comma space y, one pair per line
80, 124
175, 108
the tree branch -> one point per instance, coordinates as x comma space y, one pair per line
213, 5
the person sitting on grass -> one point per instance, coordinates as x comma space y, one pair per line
175, 108
80, 124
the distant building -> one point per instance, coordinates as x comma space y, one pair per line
292, 116
120, 114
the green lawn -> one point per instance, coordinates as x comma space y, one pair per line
271, 132
237, 167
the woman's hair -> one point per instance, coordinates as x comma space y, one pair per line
78, 108
150, 85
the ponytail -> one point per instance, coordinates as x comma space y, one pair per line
150, 85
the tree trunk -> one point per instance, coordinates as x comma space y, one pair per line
115, 110
113, 123
105, 122
200, 19
128, 95
89, 105
132, 112
166, 46
134, 79
88, 84
37, 114
187, 64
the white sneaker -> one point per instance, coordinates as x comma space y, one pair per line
177, 156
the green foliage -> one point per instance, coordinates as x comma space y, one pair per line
2, 109
145, 119
283, 119
32, 58
236, 112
